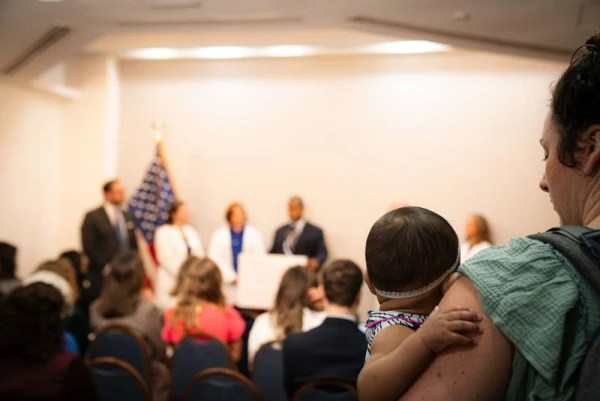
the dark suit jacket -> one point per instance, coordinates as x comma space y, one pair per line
333, 351
310, 243
99, 239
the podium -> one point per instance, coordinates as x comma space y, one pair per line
259, 277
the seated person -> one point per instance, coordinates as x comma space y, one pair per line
292, 313
411, 252
33, 363
336, 349
8, 268
201, 311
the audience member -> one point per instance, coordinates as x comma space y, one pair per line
299, 237
121, 302
33, 364
78, 323
539, 311
336, 349
8, 268
477, 237
229, 241
107, 230
201, 311
410, 252
174, 242
292, 312
59, 275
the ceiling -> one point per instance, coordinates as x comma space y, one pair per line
538, 28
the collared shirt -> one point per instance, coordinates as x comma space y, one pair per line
113, 212
298, 228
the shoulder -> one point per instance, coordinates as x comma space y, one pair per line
313, 227
220, 232
146, 307
94, 212
253, 231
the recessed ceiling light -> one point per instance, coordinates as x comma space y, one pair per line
407, 47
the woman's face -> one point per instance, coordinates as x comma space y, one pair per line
181, 216
564, 184
237, 218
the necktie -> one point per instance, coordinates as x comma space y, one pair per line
123, 241
291, 237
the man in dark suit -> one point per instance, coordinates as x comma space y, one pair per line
106, 231
299, 237
336, 349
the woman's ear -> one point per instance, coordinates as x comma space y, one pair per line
368, 282
591, 150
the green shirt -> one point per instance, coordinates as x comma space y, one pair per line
544, 307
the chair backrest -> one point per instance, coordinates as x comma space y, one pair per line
327, 390
218, 384
116, 380
268, 373
192, 357
124, 343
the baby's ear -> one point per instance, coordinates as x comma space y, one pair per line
368, 282
448, 282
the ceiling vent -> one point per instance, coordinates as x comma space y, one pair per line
48, 39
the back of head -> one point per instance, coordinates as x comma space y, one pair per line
74, 257
8, 260
576, 100
64, 268
122, 285
32, 323
409, 248
342, 280
290, 300
201, 282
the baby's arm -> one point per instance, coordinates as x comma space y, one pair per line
398, 354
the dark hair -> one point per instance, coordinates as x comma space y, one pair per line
107, 187
342, 280
8, 260
122, 285
32, 325
576, 100
408, 248
172, 210
290, 301
230, 208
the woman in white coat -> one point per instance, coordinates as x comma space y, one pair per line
174, 242
229, 241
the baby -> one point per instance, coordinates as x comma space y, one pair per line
412, 255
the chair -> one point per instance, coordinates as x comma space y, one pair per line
124, 343
268, 372
116, 380
192, 357
218, 384
327, 390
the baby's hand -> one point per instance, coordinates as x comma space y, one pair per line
450, 327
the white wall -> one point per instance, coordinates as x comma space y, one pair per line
31, 125
457, 133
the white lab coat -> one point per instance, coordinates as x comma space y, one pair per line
171, 252
467, 251
219, 251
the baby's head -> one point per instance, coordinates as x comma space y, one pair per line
410, 251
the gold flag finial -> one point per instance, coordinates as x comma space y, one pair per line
158, 127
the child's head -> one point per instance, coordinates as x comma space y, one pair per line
200, 280
410, 251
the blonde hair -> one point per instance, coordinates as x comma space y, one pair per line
65, 269
198, 282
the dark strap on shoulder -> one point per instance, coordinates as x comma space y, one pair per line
581, 246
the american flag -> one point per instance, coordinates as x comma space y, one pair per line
150, 204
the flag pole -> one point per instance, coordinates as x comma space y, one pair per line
159, 127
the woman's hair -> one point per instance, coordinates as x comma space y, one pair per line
483, 229
31, 324
64, 268
8, 260
230, 208
75, 257
290, 301
409, 248
576, 100
172, 210
198, 282
122, 285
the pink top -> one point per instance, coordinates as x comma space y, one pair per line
223, 323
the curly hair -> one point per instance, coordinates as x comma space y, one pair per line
576, 100
32, 324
